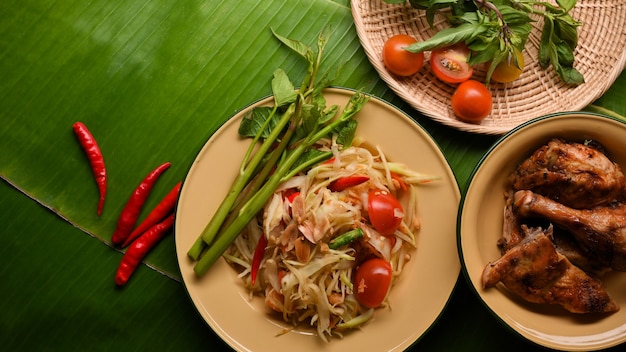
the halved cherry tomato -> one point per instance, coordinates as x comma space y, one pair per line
372, 281
450, 65
385, 211
510, 69
399, 61
471, 101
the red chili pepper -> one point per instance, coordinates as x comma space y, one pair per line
401, 182
140, 248
160, 211
130, 213
257, 258
290, 194
92, 150
344, 182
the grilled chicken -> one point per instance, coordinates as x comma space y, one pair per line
583, 258
511, 230
535, 271
574, 174
601, 230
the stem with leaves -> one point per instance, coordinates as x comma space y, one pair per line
290, 142
496, 30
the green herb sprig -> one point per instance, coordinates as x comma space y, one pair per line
283, 138
496, 30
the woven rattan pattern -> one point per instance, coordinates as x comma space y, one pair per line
600, 56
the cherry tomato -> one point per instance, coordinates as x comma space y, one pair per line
510, 69
471, 101
399, 61
450, 65
372, 281
385, 211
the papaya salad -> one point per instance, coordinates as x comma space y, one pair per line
330, 243
313, 220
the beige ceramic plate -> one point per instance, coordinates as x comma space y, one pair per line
480, 226
600, 57
417, 300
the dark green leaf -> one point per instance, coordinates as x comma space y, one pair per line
489, 51
310, 120
570, 75
546, 45
309, 158
253, 122
345, 132
514, 16
449, 36
295, 45
566, 29
282, 88
566, 4
418, 4
329, 114
519, 34
564, 53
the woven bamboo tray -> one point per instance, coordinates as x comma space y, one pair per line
600, 57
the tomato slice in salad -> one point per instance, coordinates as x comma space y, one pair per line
385, 211
450, 65
372, 281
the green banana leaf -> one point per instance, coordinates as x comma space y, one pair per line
153, 80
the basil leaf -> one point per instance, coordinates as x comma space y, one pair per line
570, 75
513, 16
449, 36
491, 51
545, 45
395, 1
418, 4
566, 30
564, 53
566, 4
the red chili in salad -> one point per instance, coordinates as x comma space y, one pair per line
342, 183
257, 257
140, 248
96, 160
160, 211
128, 218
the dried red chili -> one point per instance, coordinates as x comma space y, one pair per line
130, 213
160, 211
140, 248
96, 160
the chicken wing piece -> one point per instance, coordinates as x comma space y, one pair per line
601, 230
577, 175
511, 232
535, 271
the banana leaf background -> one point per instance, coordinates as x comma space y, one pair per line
153, 80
